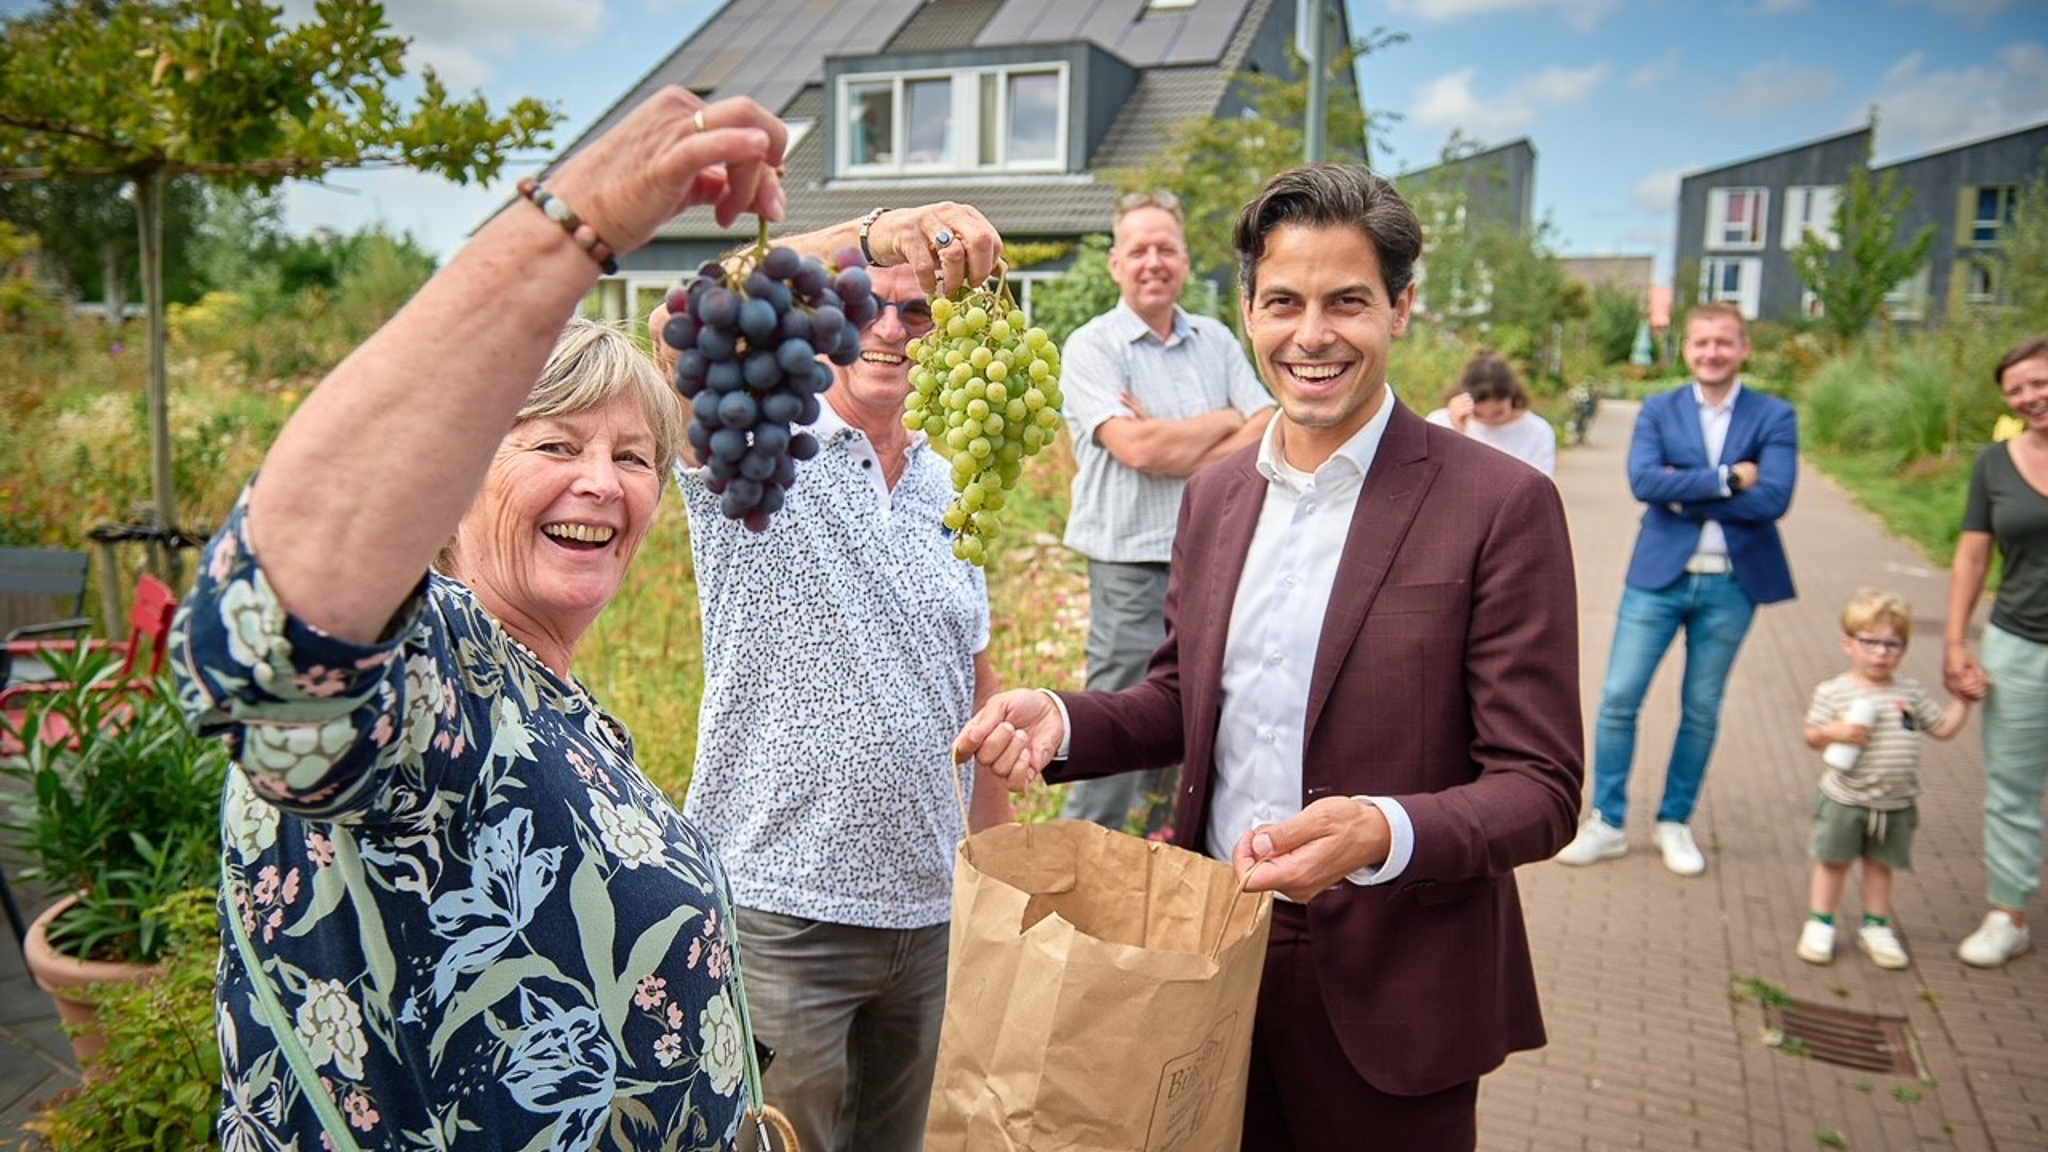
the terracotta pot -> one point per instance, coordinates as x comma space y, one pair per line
67, 979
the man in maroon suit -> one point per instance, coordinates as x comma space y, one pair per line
1370, 674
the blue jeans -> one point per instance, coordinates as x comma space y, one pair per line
1715, 613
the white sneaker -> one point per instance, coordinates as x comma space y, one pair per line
1816, 942
1994, 942
1882, 946
1597, 840
1681, 855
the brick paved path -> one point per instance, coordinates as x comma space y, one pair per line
1647, 1047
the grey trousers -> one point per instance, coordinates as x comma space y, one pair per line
853, 1016
1126, 624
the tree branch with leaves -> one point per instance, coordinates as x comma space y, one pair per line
148, 90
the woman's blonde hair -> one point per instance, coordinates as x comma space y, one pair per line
593, 364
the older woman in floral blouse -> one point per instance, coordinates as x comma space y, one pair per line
458, 915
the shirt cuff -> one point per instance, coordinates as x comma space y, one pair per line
1066, 723
1725, 470
1399, 853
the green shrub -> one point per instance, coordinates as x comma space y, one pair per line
158, 1088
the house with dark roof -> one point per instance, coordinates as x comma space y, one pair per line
1013, 106
1738, 224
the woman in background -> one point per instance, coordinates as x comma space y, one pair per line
2007, 506
1490, 405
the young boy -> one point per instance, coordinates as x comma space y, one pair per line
1864, 809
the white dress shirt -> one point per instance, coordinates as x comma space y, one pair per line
1276, 623
1714, 420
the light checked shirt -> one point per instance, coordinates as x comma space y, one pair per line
1118, 513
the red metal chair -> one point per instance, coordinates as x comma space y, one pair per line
142, 657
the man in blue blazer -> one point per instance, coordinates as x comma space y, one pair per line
1714, 464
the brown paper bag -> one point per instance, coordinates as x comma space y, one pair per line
1099, 996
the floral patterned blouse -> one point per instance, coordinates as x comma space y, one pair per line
488, 929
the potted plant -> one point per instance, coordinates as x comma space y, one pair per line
162, 1090
117, 806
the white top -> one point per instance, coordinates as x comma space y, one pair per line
1117, 513
1276, 623
1528, 437
838, 667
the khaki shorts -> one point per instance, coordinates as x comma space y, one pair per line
1843, 833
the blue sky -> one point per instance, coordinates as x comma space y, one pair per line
1619, 97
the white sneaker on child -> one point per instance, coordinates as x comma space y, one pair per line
1817, 942
1881, 944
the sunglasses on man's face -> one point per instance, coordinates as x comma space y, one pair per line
915, 313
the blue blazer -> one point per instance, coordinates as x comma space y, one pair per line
1680, 488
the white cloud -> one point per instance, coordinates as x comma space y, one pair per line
1561, 85
1974, 11
1448, 102
1654, 74
1657, 193
1771, 88
1580, 14
1919, 110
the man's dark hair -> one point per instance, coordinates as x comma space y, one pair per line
1327, 196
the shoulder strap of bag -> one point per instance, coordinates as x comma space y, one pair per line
274, 1018
756, 1098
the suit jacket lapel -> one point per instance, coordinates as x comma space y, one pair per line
1400, 476
1739, 422
1686, 409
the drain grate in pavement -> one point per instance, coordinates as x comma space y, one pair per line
1854, 1039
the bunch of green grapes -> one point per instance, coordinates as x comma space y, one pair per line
988, 387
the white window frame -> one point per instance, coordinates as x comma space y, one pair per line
966, 111
1748, 293
1811, 208
1717, 215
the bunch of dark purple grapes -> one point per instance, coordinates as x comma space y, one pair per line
748, 342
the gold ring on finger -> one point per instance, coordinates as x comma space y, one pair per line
698, 120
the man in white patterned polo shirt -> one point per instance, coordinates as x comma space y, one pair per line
1153, 394
843, 647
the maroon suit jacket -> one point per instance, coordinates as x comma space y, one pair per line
1447, 678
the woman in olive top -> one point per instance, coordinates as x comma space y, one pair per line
2008, 503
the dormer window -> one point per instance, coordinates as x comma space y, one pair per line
1003, 117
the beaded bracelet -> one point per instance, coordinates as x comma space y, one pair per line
558, 210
